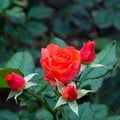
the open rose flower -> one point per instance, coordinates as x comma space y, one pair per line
87, 53
61, 64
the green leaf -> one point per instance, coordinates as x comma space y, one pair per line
62, 26
40, 12
4, 4
100, 111
18, 2
26, 37
85, 113
107, 57
112, 3
89, 111
8, 115
26, 115
11, 30
3, 43
15, 12
43, 114
80, 17
29, 101
36, 28
116, 20
95, 84
112, 118
58, 42
5, 71
103, 18
18, 20
4, 57
23, 61
101, 42
87, 3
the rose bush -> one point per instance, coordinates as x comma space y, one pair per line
61, 64
73, 74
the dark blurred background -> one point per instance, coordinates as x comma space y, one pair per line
30, 24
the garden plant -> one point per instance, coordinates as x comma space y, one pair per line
59, 60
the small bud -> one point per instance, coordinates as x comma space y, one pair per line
87, 53
69, 93
15, 82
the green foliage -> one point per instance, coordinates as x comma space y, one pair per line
4, 4
103, 18
89, 111
36, 28
29, 28
58, 41
23, 61
8, 115
15, 12
112, 118
40, 12
87, 3
43, 114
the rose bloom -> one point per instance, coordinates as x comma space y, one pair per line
15, 82
61, 64
69, 93
87, 53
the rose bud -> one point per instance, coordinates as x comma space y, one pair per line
69, 93
87, 53
15, 82
61, 64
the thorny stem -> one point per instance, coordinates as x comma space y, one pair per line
43, 103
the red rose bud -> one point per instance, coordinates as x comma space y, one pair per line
61, 64
87, 53
69, 93
15, 82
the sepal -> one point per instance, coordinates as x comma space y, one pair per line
60, 102
60, 86
30, 76
17, 94
83, 67
74, 107
10, 95
30, 84
71, 84
83, 92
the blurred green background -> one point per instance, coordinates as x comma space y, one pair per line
30, 25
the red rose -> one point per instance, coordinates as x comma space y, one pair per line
69, 93
61, 64
87, 53
15, 82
